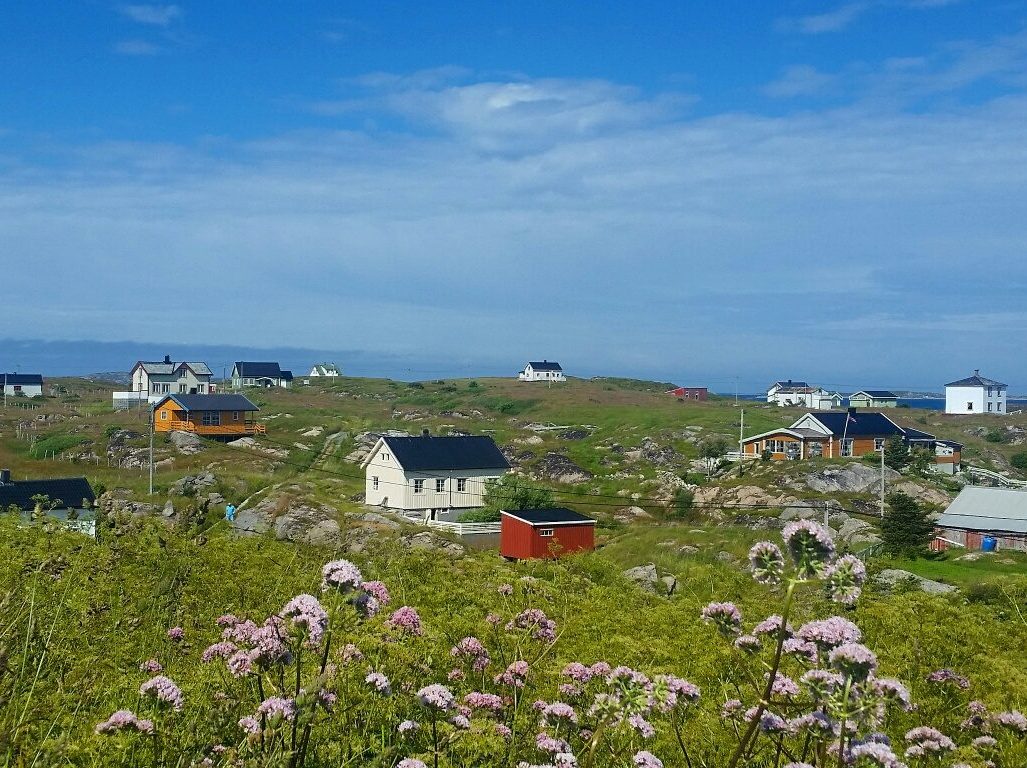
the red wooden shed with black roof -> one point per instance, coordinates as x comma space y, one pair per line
544, 533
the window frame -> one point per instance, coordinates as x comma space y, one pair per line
418, 485
461, 485
545, 532
440, 485
374, 482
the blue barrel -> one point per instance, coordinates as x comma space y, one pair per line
989, 544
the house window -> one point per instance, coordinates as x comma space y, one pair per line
461, 485
17, 387
163, 415
385, 457
235, 415
878, 443
989, 391
969, 406
440, 485
989, 406
847, 445
374, 483
183, 388
418, 486
545, 532
211, 419
816, 449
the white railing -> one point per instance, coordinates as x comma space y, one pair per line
463, 529
987, 474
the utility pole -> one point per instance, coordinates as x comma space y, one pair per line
827, 513
882, 480
151, 451
741, 439
5, 390
736, 391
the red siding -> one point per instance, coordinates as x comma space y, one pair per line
521, 541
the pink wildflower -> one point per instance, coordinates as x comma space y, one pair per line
406, 620
164, 690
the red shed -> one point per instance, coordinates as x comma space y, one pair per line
545, 533
689, 393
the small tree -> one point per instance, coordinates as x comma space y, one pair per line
896, 452
1019, 460
711, 451
920, 461
684, 500
905, 528
509, 493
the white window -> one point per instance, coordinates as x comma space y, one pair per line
235, 415
374, 483
989, 405
440, 485
545, 532
163, 415
183, 388
989, 391
878, 443
461, 485
419, 486
847, 445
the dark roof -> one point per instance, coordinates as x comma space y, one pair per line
287, 375
550, 516
861, 424
916, 434
259, 370
212, 402
22, 378
975, 381
450, 452
878, 394
790, 383
544, 365
69, 490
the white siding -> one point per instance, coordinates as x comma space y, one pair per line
975, 399
395, 486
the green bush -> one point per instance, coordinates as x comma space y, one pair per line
1019, 460
995, 436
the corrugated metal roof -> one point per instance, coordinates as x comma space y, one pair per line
212, 402
449, 452
977, 508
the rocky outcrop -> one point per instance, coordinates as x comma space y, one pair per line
645, 576
186, 443
853, 478
922, 493
432, 541
560, 469
629, 514
891, 577
191, 484
659, 455
252, 444
574, 434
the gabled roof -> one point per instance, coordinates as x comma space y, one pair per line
978, 508
876, 394
250, 370
211, 402
975, 381
441, 453
69, 490
326, 368
860, 424
544, 365
21, 378
791, 386
549, 516
166, 368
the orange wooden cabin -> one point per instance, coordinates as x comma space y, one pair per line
218, 416
544, 533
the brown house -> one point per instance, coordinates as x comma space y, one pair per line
836, 434
218, 416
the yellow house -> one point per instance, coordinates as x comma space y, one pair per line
210, 415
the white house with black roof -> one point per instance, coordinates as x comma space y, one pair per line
259, 374
975, 394
21, 384
873, 398
542, 370
428, 475
154, 380
801, 394
66, 499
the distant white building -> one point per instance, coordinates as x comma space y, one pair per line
802, 395
975, 394
324, 369
542, 371
21, 384
153, 381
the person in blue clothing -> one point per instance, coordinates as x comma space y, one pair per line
230, 513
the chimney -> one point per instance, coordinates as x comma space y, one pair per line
5, 476
977, 371
167, 359
425, 432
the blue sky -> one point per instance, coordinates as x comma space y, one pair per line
695, 192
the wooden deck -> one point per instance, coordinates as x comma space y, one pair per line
248, 428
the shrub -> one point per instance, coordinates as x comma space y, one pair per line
995, 436
905, 528
1019, 460
684, 501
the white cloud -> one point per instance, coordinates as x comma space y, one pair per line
800, 80
830, 21
156, 15
136, 48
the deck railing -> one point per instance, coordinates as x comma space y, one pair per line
245, 428
463, 529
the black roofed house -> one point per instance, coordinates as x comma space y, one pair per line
247, 374
873, 398
542, 370
428, 475
544, 533
847, 434
21, 384
67, 499
975, 394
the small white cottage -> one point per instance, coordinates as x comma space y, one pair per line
427, 475
324, 369
975, 394
542, 371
